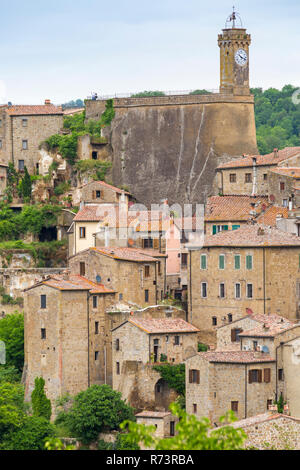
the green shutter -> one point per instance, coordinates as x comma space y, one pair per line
214, 229
203, 261
235, 227
249, 262
225, 227
221, 262
237, 262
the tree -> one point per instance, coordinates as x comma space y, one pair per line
32, 435
174, 375
192, 434
96, 409
12, 409
41, 405
12, 334
26, 185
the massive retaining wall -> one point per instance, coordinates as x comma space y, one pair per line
169, 146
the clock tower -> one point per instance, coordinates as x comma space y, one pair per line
234, 45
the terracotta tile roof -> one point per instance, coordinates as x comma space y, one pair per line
30, 110
130, 254
269, 159
292, 172
93, 213
153, 414
76, 282
252, 235
236, 357
108, 186
270, 326
234, 208
269, 216
163, 325
71, 111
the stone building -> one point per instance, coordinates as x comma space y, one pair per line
164, 422
255, 268
64, 317
282, 186
241, 381
3, 178
137, 275
231, 212
137, 345
249, 175
23, 128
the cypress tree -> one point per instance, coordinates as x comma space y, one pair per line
41, 405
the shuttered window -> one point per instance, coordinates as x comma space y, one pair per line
203, 261
222, 262
255, 376
267, 375
237, 262
235, 406
204, 290
249, 262
194, 376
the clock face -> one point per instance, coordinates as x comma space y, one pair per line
241, 57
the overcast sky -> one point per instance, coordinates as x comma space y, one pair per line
64, 49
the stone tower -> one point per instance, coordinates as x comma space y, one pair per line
234, 45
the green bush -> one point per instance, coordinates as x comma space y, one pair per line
174, 375
31, 436
41, 405
12, 333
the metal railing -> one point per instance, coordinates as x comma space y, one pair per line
165, 93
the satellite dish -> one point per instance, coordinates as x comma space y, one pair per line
98, 279
265, 349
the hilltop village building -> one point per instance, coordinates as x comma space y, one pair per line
254, 268
23, 128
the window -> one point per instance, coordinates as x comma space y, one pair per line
0, 144
82, 268
159, 267
204, 290
219, 228
194, 376
43, 301
249, 262
285, 202
214, 321
94, 155
146, 295
282, 186
82, 232
43, 333
96, 355
280, 374
184, 259
120, 296
269, 403
0, 122
249, 291
98, 194
265, 176
24, 122
235, 338
238, 291
232, 177
194, 408
235, 227
255, 344
177, 340
267, 376
95, 301
96, 327
148, 243
203, 262
222, 262
118, 368
222, 290
117, 344
156, 342
255, 376
25, 144
147, 271
248, 178
21, 165
237, 261
235, 406
172, 428
229, 316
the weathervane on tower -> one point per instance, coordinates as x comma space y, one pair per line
235, 19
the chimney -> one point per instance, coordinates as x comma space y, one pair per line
275, 153
260, 231
66, 275
47, 102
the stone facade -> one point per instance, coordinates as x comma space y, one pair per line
3, 178
23, 129
274, 287
138, 282
161, 420
225, 385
